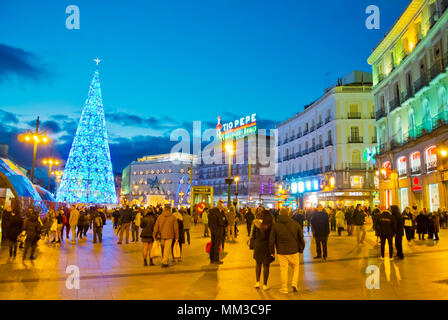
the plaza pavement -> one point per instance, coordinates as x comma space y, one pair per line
111, 271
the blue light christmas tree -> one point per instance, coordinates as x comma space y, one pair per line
88, 176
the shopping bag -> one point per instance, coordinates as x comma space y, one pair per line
176, 250
207, 247
156, 250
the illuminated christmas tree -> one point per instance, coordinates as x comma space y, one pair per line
88, 176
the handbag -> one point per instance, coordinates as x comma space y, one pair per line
156, 250
208, 246
408, 223
176, 250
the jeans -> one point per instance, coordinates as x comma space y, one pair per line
399, 246
166, 249
285, 261
340, 230
28, 245
97, 232
124, 228
187, 233
214, 249
12, 248
383, 244
73, 227
408, 231
249, 227
360, 230
333, 226
206, 233
321, 245
265, 272
134, 232
59, 232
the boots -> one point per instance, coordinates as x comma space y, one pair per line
145, 263
151, 263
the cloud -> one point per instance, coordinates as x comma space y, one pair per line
8, 117
20, 63
130, 120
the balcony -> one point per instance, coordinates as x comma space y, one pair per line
443, 6
372, 115
374, 140
402, 172
394, 104
328, 143
320, 146
416, 170
421, 82
319, 124
406, 95
313, 128
356, 166
327, 120
355, 140
354, 115
305, 132
380, 113
328, 168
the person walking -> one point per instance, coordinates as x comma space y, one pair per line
230, 217
387, 227
249, 219
60, 224
287, 238
125, 223
147, 235
166, 229
181, 239
435, 221
12, 228
408, 221
321, 231
358, 220
135, 225
332, 220
73, 222
186, 218
422, 225
349, 219
205, 222
81, 222
399, 231
340, 220
216, 223
260, 235
32, 228
97, 226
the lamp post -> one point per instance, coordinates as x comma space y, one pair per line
181, 195
229, 180
35, 138
50, 162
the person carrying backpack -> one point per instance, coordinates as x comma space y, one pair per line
97, 227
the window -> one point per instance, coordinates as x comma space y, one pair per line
401, 166
415, 162
431, 158
354, 131
404, 198
356, 156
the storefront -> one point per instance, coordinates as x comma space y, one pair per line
346, 198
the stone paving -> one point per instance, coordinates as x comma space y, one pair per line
112, 271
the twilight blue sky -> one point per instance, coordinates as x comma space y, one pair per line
167, 63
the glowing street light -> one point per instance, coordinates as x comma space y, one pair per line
34, 138
236, 185
230, 151
50, 162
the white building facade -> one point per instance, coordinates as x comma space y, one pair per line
320, 150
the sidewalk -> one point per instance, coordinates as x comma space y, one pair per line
111, 271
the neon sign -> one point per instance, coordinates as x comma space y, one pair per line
369, 155
238, 128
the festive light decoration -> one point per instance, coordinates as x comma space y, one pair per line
369, 155
88, 176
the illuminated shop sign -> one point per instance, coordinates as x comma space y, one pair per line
305, 186
238, 128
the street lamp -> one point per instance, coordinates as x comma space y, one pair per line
50, 162
181, 195
35, 138
229, 149
236, 185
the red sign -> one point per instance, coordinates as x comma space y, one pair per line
200, 207
416, 184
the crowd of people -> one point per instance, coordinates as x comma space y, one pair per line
271, 232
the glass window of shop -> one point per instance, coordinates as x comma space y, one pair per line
431, 157
415, 162
434, 202
402, 167
404, 198
388, 194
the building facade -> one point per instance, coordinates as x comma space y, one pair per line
256, 182
410, 88
159, 176
320, 150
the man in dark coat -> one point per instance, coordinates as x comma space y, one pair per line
249, 219
321, 230
12, 229
126, 218
217, 224
32, 228
387, 227
399, 232
287, 237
